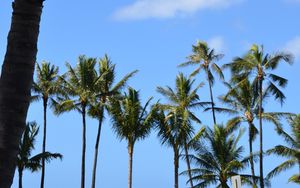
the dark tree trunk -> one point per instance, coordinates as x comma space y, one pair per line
45, 103
130, 153
211, 97
20, 178
251, 154
261, 176
96, 150
176, 166
188, 164
16, 82
83, 147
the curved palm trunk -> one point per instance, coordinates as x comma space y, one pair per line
211, 98
45, 103
130, 153
20, 178
83, 147
16, 82
261, 177
96, 150
251, 155
176, 166
188, 163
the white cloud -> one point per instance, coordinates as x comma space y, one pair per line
217, 43
143, 9
293, 46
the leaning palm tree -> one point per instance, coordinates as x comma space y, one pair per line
292, 151
218, 157
131, 122
26, 146
105, 90
78, 85
182, 100
205, 58
46, 86
260, 65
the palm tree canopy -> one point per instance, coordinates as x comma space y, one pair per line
205, 58
218, 157
105, 86
129, 118
46, 84
26, 146
260, 65
78, 85
292, 151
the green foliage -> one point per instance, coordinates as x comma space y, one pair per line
26, 146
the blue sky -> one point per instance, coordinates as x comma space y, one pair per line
153, 36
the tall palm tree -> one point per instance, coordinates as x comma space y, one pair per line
205, 58
16, 82
46, 87
26, 146
79, 85
292, 151
172, 134
243, 104
218, 158
105, 90
182, 100
260, 65
131, 122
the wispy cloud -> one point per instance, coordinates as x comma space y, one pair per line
293, 46
217, 43
144, 9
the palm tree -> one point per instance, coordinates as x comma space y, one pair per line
46, 86
16, 82
256, 63
105, 91
172, 134
26, 146
292, 151
218, 158
205, 58
131, 122
79, 85
183, 100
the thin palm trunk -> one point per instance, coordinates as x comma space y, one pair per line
224, 185
176, 166
188, 164
45, 103
96, 150
251, 155
130, 153
20, 178
16, 81
83, 147
261, 178
211, 98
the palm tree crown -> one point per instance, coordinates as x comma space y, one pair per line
292, 151
205, 58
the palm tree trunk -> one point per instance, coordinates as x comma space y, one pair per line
211, 97
130, 153
251, 155
188, 164
176, 166
16, 82
20, 178
261, 178
96, 151
83, 147
45, 103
